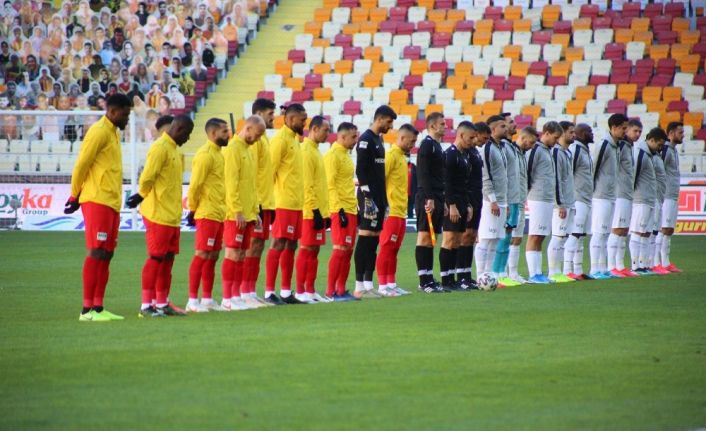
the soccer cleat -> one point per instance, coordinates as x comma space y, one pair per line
540, 279
644, 271
585, 277
400, 291
111, 315
366, 294
509, 282
85, 317
629, 273
318, 298
659, 270
609, 276
175, 308
344, 298
305, 298
196, 308
577, 277
150, 312
251, 302
387, 292
210, 304
617, 273
673, 268
291, 300
520, 279
238, 304
262, 301
168, 310
99, 317
561, 278
467, 285
274, 299
598, 276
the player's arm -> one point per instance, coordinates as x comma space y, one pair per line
277, 150
232, 175
200, 167
449, 167
363, 166
156, 158
92, 145
311, 197
423, 172
488, 183
331, 168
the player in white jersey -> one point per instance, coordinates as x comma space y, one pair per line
670, 155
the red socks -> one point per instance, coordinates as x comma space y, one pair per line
227, 272
302, 268
253, 262
343, 271
195, 274
383, 264
334, 267
101, 282
164, 281
286, 264
208, 274
91, 270
237, 277
312, 269
149, 279
271, 266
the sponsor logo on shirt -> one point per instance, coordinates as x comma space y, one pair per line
380, 160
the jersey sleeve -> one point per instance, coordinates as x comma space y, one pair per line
363, 166
200, 167
488, 185
156, 157
311, 198
232, 175
92, 144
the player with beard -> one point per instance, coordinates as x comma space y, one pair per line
525, 141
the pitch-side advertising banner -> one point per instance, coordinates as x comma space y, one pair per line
41, 207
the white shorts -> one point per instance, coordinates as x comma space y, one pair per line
519, 231
657, 216
670, 209
563, 226
582, 219
621, 215
641, 220
540, 218
602, 215
492, 227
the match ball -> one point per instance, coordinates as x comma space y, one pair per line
487, 282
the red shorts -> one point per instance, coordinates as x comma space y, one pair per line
393, 231
288, 224
101, 226
263, 232
344, 235
237, 238
209, 235
161, 239
311, 236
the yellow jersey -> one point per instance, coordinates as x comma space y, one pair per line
160, 183
286, 155
339, 168
396, 181
265, 178
98, 173
315, 188
207, 190
241, 194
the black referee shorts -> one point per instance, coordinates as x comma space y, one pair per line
475, 219
437, 216
460, 225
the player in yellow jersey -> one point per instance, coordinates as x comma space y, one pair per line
316, 211
159, 197
96, 186
241, 212
286, 155
343, 205
395, 225
265, 184
207, 210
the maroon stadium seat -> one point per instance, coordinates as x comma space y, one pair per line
616, 106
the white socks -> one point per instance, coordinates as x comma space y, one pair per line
534, 262
651, 251
485, 254
569, 252
555, 254
635, 250
644, 260
492, 245
657, 256
578, 257
620, 253
666, 245
598, 252
513, 260
612, 250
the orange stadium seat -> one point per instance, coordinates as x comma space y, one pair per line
690, 37
455, 15
378, 14
512, 13
694, 119
343, 66
380, 67
359, 14
372, 80
322, 43
680, 24
350, 29
411, 110
679, 50
369, 27
643, 36
322, 14
484, 25
466, 95
433, 108
419, 67
550, 15
689, 63
575, 107
627, 92
463, 68
533, 111
472, 109
624, 35
585, 92
671, 94
321, 68
651, 94
522, 25
436, 15
640, 24
313, 28
372, 53
519, 68
322, 94
368, 3
482, 38
667, 117
658, 52
582, 24
456, 82
492, 107
561, 39
513, 52
656, 106
573, 54
446, 26
475, 81
399, 97
561, 68
429, 4
283, 67
296, 84
330, 4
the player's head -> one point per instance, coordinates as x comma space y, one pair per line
551, 132
675, 132
217, 131
569, 134
265, 108
617, 124
118, 110
655, 139
436, 125
634, 130
527, 138
407, 137
181, 129
319, 128
483, 133
511, 126
347, 135
498, 127
466, 135
383, 119
584, 133
295, 117
162, 124
253, 129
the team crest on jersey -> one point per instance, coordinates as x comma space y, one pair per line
363, 144
290, 229
393, 238
239, 238
102, 236
211, 242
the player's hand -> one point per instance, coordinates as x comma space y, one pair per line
190, 219
272, 216
258, 222
469, 217
446, 210
495, 209
429, 205
134, 200
562, 213
327, 222
318, 220
343, 218
454, 215
240, 221
71, 205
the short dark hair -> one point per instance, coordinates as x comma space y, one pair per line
482, 127
409, 128
345, 127
495, 119
634, 122
466, 125
552, 127
566, 124
261, 104
317, 121
119, 100
214, 123
293, 108
656, 133
617, 120
384, 111
433, 118
529, 130
673, 126
164, 120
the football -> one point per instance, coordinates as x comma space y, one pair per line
487, 282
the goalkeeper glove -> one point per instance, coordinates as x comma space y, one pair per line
134, 200
190, 219
318, 220
343, 218
71, 205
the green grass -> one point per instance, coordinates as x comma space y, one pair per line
622, 354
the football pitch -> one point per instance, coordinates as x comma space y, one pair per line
619, 354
